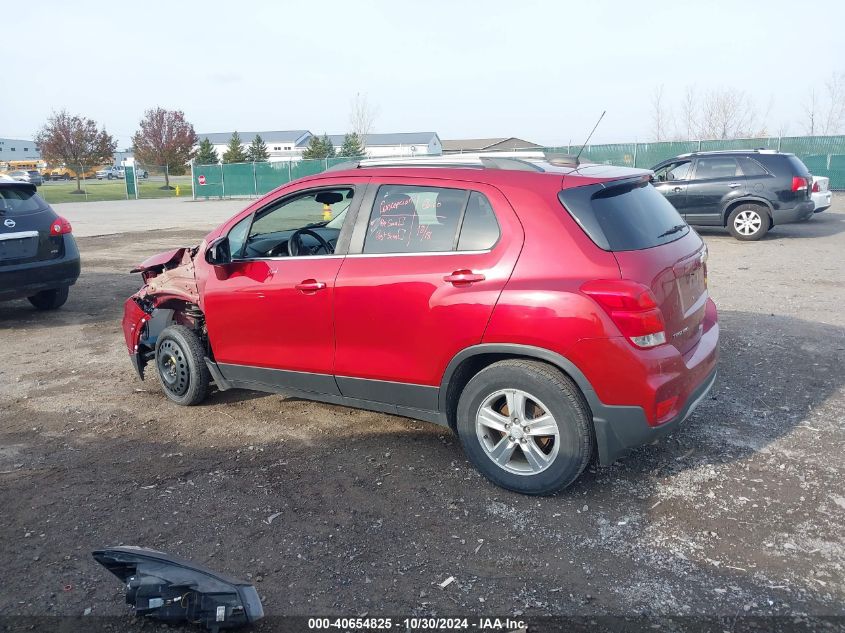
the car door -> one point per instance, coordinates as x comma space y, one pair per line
270, 315
427, 263
716, 181
671, 181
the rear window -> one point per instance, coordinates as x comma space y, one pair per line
627, 216
798, 165
19, 200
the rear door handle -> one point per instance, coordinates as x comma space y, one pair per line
677, 189
734, 185
310, 285
463, 277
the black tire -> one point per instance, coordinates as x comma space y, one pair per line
180, 365
746, 217
562, 399
49, 299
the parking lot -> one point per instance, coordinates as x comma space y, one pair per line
338, 511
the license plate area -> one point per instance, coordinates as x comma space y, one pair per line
691, 287
22, 245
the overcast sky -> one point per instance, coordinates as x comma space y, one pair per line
542, 71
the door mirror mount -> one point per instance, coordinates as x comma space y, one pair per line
217, 252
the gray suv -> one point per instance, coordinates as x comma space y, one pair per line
747, 191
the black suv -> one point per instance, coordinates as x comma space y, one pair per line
747, 191
38, 255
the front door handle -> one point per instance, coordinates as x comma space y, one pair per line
734, 185
677, 190
463, 277
309, 286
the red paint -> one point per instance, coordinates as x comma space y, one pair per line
404, 317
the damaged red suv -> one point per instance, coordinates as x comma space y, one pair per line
545, 311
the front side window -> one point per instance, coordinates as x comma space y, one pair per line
305, 224
673, 171
716, 167
415, 219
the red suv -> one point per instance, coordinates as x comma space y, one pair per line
546, 312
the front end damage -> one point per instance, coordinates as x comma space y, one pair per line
169, 296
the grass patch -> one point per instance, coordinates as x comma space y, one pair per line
105, 190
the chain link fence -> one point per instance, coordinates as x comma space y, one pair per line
101, 183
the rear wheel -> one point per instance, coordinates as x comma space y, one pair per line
748, 222
49, 299
180, 364
525, 426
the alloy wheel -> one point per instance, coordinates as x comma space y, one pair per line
747, 222
517, 432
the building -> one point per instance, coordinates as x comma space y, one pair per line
459, 146
397, 144
17, 149
282, 145
289, 145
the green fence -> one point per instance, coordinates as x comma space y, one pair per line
823, 155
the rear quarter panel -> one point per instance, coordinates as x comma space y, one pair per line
541, 304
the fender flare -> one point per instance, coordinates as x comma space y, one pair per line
606, 418
515, 349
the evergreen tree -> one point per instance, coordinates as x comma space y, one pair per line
318, 147
352, 146
234, 152
328, 147
257, 151
207, 155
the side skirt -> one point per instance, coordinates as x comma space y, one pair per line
408, 401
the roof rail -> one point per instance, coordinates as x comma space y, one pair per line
465, 161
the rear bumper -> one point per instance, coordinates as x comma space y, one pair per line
822, 200
619, 429
626, 384
800, 211
25, 280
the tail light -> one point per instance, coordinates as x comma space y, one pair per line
816, 187
632, 307
799, 183
60, 226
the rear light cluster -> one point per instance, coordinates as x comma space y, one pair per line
816, 188
60, 226
799, 183
632, 307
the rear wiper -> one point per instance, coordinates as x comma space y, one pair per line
674, 229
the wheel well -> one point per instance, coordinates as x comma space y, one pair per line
471, 366
733, 205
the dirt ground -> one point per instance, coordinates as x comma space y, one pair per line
741, 511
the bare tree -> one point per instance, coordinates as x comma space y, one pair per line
811, 109
660, 116
726, 113
834, 114
362, 116
689, 113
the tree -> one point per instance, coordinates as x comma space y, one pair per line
352, 146
257, 151
726, 113
362, 116
234, 150
689, 111
165, 139
659, 115
834, 116
75, 142
206, 155
319, 147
